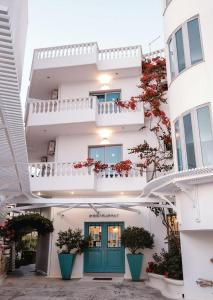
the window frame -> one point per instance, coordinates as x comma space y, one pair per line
101, 92
186, 47
105, 146
196, 136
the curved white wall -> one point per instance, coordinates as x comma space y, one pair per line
194, 85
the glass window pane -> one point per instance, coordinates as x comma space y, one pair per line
189, 140
101, 98
206, 137
180, 50
178, 146
171, 59
97, 153
113, 154
95, 235
112, 96
114, 236
194, 41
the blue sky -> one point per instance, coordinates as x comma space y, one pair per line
111, 23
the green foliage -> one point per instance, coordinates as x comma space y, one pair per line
72, 240
27, 223
135, 239
168, 263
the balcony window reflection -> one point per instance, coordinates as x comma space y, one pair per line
189, 140
206, 136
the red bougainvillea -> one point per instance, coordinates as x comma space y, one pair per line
122, 167
153, 83
98, 166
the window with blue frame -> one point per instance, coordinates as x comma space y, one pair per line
185, 47
194, 41
178, 146
206, 136
110, 154
189, 141
180, 50
107, 96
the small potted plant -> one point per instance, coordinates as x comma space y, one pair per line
71, 242
136, 239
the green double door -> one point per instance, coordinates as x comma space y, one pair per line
105, 253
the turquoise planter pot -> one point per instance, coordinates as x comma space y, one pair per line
66, 262
135, 265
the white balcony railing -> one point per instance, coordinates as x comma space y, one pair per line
63, 51
48, 112
87, 49
63, 176
53, 106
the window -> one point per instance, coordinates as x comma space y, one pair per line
106, 154
194, 41
206, 137
185, 47
192, 128
107, 97
114, 237
189, 140
95, 232
180, 50
178, 146
171, 59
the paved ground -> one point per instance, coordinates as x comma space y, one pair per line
22, 286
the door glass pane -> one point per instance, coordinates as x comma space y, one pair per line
206, 137
97, 153
189, 140
194, 41
113, 154
95, 234
112, 96
180, 50
114, 236
178, 146
171, 59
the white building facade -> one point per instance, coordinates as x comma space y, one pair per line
71, 115
189, 55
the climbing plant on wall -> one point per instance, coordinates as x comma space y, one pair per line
156, 157
20, 225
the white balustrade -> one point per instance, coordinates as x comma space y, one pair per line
119, 53
61, 105
52, 169
110, 107
109, 173
87, 49
56, 169
154, 54
63, 51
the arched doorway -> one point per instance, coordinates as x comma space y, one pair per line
27, 234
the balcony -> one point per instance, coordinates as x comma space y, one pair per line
48, 177
87, 54
82, 110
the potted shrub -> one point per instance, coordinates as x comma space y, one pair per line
136, 239
71, 242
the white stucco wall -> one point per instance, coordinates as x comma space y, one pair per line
75, 147
128, 86
75, 218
